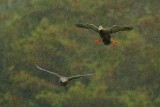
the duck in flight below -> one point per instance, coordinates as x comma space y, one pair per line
63, 79
105, 33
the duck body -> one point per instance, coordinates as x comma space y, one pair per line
63, 81
105, 36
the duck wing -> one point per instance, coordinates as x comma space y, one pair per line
117, 28
88, 26
78, 76
48, 71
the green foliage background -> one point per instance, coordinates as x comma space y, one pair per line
42, 32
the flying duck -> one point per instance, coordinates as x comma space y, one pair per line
63, 79
105, 33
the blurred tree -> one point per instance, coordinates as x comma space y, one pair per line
42, 32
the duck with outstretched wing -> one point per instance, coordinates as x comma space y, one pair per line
105, 33
63, 79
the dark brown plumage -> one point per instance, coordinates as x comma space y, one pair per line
105, 33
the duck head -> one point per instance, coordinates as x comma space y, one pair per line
63, 81
100, 28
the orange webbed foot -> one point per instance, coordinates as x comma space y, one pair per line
114, 43
98, 41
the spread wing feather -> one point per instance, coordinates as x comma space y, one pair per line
78, 76
88, 26
48, 71
117, 28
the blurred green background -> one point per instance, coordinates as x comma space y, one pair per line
42, 32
